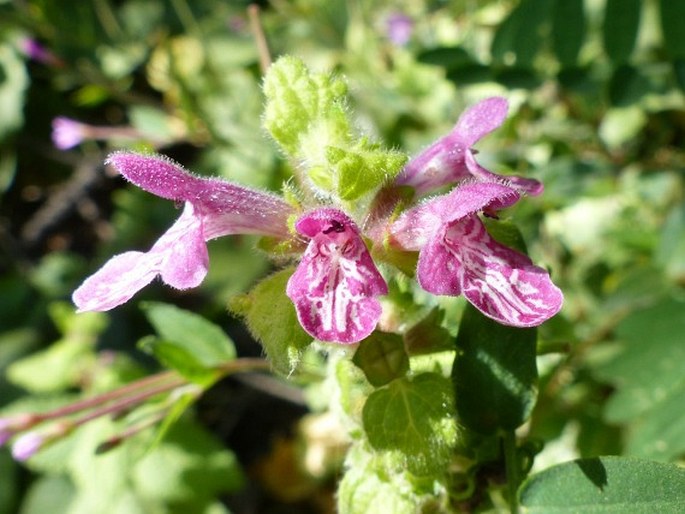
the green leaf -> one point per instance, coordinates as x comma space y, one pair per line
174, 356
206, 342
8, 484
621, 23
305, 112
271, 318
363, 168
606, 485
413, 418
673, 26
568, 30
382, 358
649, 376
494, 373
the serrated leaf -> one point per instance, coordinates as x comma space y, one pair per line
206, 342
606, 485
304, 111
568, 30
673, 26
621, 23
271, 318
413, 418
494, 373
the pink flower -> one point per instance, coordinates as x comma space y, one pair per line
458, 256
450, 159
399, 28
335, 286
213, 208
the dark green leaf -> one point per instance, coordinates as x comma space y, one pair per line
621, 23
494, 374
447, 57
627, 86
673, 26
568, 30
382, 358
521, 34
413, 418
606, 485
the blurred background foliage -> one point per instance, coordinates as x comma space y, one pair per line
597, 113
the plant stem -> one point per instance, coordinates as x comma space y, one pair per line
513, 468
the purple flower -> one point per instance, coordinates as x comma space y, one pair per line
399, 27
336, 283
67, 133
458, 256
213, 208
450, 159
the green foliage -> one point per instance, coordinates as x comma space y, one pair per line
607, 485
192, 334
413, 419
595, 112
494, 374
649, 374
621, 23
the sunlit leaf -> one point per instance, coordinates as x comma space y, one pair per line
606, 485
414, 419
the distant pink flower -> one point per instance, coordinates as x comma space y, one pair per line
458, 256
27, 445
36, 51
399, 28
67, 133
451, 159
213, 208
336, 283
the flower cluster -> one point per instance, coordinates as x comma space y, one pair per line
336, 285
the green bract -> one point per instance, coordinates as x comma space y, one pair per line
306, 114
